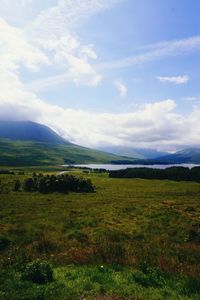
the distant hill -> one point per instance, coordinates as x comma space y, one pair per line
190, 155
139, 153
29, 144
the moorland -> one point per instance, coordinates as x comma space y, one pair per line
127, 239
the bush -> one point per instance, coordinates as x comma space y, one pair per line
149, 277
141, 278
4, 243
38, 272
17, 186
29, 185
193, 236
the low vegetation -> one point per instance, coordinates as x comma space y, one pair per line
131, 239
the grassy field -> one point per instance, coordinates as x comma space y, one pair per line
131, 239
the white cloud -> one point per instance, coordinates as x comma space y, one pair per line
151, 53
174, 79
17, 12
151, 125
67, 13
156, 52
122, 89
16, 50
52, 31
50, 39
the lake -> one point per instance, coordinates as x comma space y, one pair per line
111, 167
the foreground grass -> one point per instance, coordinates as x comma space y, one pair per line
128, 223
88, 282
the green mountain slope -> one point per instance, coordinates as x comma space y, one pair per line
28, 153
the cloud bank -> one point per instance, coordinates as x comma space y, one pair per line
154, 125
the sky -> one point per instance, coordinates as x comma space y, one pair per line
104, 72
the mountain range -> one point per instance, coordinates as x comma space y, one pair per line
188, 155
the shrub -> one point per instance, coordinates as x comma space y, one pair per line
38, 272
149, 276
152, 277
4, 243
141, 278
29, 185
17, 186
193, 236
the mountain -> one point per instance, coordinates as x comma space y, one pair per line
33, 144
189, 155
29, 131
139, 153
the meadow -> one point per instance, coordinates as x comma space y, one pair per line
130, 239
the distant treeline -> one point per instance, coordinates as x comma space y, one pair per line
61, 183
172, 173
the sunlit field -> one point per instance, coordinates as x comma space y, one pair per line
130, 239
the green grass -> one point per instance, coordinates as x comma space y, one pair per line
88, 282
24, 153
146, 234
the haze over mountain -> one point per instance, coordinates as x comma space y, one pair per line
140, 153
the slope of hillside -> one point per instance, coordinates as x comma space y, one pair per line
28, 143
28, 153
29, 131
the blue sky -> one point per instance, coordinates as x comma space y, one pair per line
122, 72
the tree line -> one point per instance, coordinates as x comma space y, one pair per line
172, 173
55, 183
